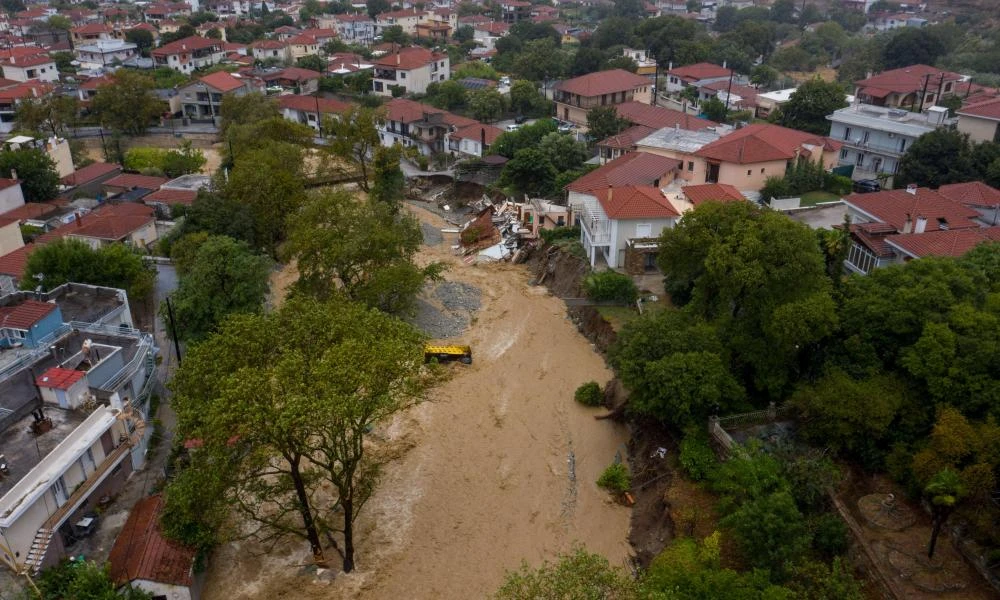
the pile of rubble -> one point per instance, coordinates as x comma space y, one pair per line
495, 233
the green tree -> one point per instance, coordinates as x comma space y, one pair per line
127, 105
586, 60
268, 182
764, 76
362, 249
604, 122
394, 34
83, 580
529, 136
142, 39
525, 99
388, 183
759, 278
53, 114
783, 11
35, 170
578, 574
186, 159
810, 104
68, 260
912, 46
529, 172
945, 490
464, 33
312, 62
937, 158
284, 402
770, 532
563, 152
184, 251
540, 60
375, 7
245, 110
354, 137
487, 105
225, 277
448, 95
715, 110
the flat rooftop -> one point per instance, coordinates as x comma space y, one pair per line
23, 449
680, 140
191, 182
882, 118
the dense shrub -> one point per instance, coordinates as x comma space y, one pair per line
615, 478
829, 535
837, 184
610, 285
560, 233
696, 455
589, 394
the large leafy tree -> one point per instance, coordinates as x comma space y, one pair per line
604, 122
268, 182
53, 114
529, 136
938, 158
945, 490
810, 104
283, 404
760, 278
388, 182
354, 137
127, 105
487, 105
362, 249
35, 170
245, 110
529, 172
223, 276
525, 99
912, 46
69, 260
578, 574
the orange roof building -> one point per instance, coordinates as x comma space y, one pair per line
576, 97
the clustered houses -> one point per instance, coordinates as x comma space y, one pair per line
433, 131
914, 88
186, 55
202, 98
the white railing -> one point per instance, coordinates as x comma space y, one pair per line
598, 228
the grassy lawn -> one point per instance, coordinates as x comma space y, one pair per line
813, 198
618, 316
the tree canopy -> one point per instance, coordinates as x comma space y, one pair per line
35, 170
810, 104
127, 105
68, 260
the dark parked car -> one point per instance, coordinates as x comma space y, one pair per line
867, 186
520, 119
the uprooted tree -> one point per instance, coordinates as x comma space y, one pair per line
282, 404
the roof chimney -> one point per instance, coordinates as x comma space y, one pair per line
911, 189
908, 224
921, 225
397, 58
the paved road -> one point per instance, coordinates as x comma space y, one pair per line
91, 132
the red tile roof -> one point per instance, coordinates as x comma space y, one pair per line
171, 197
29, 61
292, 74
25, 314
95, 82
141, 551
14, 263
712, 192
891, 207
603, 82
902, 81
308, 104
268, 45
28, 89
222, 81
58, 378
955, 242
402, 110
131, 180
627, 139
635, 202
699, 71
89, 173
872, 235
407, 59
113, 227
973, 193
188, 44
763, 142
989, 109
30, 210
635, 168
476, 131
658, 117
91, 28
303, 40
493, 28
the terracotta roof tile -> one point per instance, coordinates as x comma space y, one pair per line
131, 180
989, 109
603, 82
171, 197
658, 117
699, 71
30, 210
222, 81
188, 44
763, 142
25, 314
973, 193
141, 551
327, 106
475, 132
955, 242
712, 192
891, 207
635, 202
59, 379
408, 58
627, 139
902, 81
14, 263
89, 173
635, 168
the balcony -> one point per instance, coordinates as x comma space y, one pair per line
83, 490
597, 227
875, 148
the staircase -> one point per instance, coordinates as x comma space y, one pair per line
39, 546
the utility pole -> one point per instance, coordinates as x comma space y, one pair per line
173, 329
923, 94
729, 90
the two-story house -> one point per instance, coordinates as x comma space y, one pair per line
912, 88
190, 53
302, 45
613, 218
875, 138
412, 69
353, 29
487, 33
576, 97
201, 99
75, 383
407, 19
696, 75
101, 54
12, 95
981, 120
472, 140
514, 11
976, 195
38, 66
84, 34
879, 218
310, 110
412, 124
272, 50
635, 168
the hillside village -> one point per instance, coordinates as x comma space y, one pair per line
499, 298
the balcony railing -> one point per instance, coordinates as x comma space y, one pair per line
83, 490
598, 228
872, 147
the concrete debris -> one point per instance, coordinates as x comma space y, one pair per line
495, 233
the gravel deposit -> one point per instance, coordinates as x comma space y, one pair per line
432, 235
445, 309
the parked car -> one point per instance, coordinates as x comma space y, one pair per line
867, 186
520, 119
513, 127
565, 127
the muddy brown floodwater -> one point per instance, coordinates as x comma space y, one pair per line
496, 468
